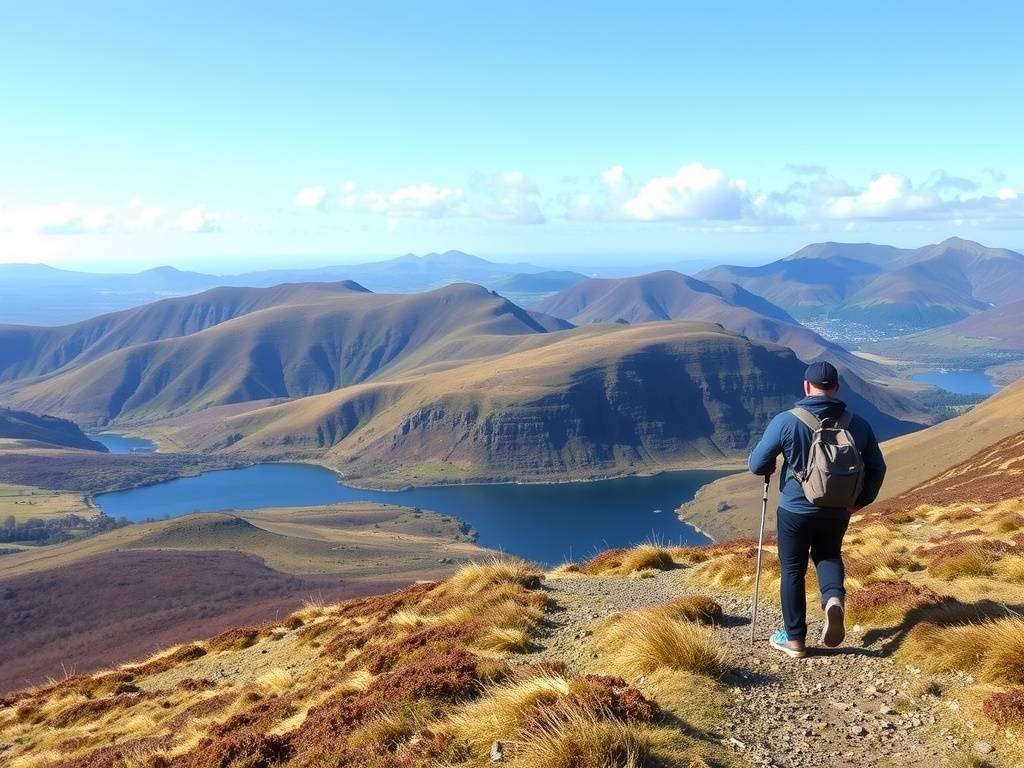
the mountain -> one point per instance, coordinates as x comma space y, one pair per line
809, 282
921, 295
673, 296
32, 351
333, 338
880, 285
42, 295
662, 295
48, 430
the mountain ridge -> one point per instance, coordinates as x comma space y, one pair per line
926, 286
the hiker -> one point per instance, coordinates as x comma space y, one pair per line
831, 467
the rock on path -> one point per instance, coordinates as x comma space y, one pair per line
851, 707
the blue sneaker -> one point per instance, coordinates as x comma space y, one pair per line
795, 649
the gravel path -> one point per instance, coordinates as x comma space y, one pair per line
848, 707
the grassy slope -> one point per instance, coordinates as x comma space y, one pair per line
425, 676
912, 459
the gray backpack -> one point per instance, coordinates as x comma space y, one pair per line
834, 474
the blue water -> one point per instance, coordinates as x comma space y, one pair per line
959, 382
548, 523
122, 443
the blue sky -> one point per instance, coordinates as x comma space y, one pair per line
225, 136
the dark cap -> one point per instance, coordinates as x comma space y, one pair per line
822, 375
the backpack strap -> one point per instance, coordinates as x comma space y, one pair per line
807, 418
842, 421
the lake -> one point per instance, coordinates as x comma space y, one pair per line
116, 443
546, 522
959, 382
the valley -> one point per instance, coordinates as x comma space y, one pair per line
317, 442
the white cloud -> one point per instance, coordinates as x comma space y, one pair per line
888, 196
415, 200
56, 219
1007, 193
508, 196
694, 193
198, 220
147, 219
311, 197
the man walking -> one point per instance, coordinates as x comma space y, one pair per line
831, 467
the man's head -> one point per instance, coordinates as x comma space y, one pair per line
821, 379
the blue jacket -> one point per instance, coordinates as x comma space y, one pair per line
790, 437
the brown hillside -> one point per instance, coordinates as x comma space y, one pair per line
996, 330
154, 584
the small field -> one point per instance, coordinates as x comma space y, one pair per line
23, 502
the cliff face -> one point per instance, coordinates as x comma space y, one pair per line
588, 403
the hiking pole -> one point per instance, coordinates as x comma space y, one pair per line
760, 546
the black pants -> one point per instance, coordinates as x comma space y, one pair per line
822, 538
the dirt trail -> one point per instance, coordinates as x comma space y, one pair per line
852, 707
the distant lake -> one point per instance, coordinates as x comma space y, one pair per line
549, 522
116, 443
959, 382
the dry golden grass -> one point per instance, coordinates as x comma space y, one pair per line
1010, 569
641, 642
641, 559
499, 713
991, 650
645, 557
474, 578
274, 682
698, 608
969, 564
505, 640
406, 618
574, 738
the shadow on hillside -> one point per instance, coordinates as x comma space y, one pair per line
944, 614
